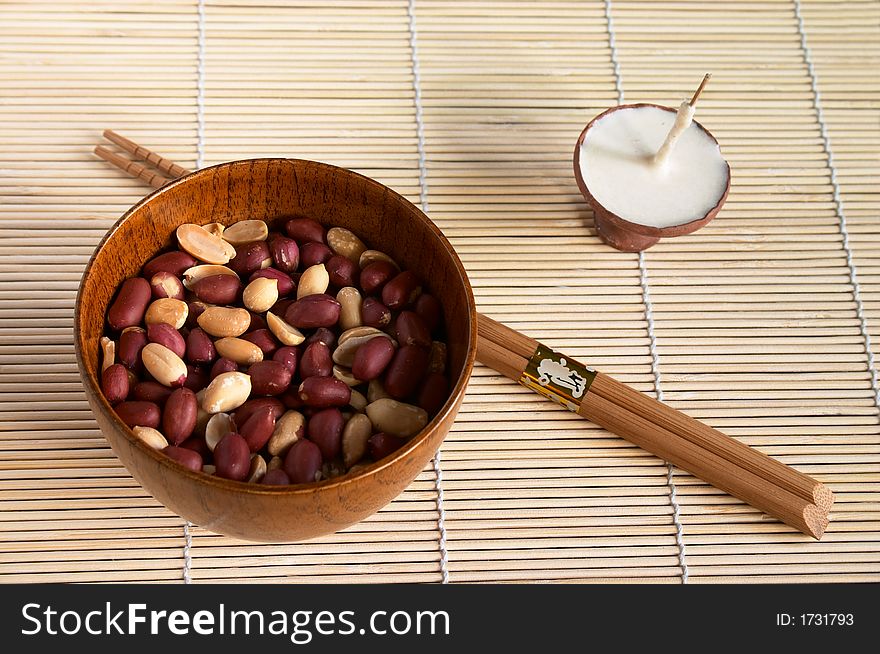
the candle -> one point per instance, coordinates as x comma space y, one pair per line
633, 171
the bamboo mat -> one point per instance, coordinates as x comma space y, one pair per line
757, 324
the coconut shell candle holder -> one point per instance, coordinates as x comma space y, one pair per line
649, 172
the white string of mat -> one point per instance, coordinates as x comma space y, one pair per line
200, 155
423, 196
838, 205
649, 319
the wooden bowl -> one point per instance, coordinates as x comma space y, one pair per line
271, 189
620, 233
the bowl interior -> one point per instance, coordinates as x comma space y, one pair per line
274, 190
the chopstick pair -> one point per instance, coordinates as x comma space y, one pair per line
736, 468
135, 169
773, 487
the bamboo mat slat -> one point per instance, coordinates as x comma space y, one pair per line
473, 108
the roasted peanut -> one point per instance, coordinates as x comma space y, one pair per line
199, 348
239, 350
285, 253
232, 457
261, 294
350, 302
406, 371
203, 245
286, 285
131, 343
437, 358
312, 311
245, 231
151, 391
428, 308
284, 332
322, 335
258, 428
226, 392
276, 463
412, 330
222, 365
152, 437
275, 477
253, 405
305, 230
115, 383
250, 258
269, 378
166, 284
376, 275
303, 462
131, 303
375, 314
311, 254
174, 262
382, 444
138, 414
217, 289
371, 358
344, 242
164, 334
179, 416
345, 376
316, 361
355, 435
224, 321
401, 291
167, 310
344, 354
263, 339
396, 418
323, 392
325, 431
185, 457
288, 356
433, 392
314, 281
289, 428
166, 367
342, 271
192, 276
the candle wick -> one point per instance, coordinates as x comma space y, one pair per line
683, 120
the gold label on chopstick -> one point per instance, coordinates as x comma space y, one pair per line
557, 377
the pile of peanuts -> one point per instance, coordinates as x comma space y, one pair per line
325, 360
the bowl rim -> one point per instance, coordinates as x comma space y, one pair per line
450, 406
646, 230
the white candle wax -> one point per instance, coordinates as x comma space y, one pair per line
617, 161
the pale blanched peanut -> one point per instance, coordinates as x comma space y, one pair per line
313, 281
203, 245
344, 375
194, 274
218, 426
376, 391
355, 435
344, 242
208, 469
168, 310
287, 334
166, 367
257, 470
355, 332
224, 321
226, 392
261, 294
246, 231
289, 428
152, 437
372, 256
357, 402
216, 229
350, 302
397, 418
108, 353
239, 350
275, 463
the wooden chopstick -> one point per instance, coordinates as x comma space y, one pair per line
133, 168
165, 165
746, 473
